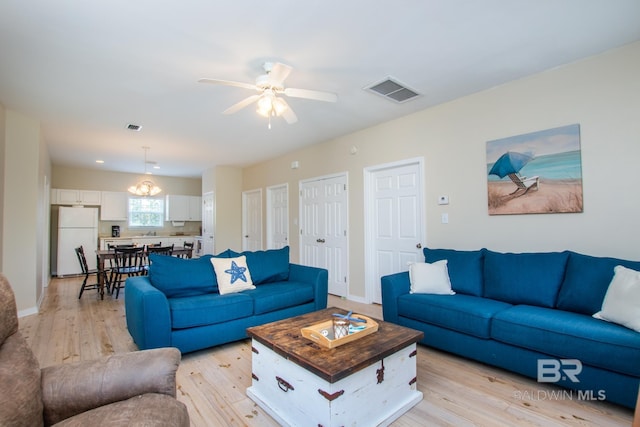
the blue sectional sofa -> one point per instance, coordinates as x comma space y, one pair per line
514, 310
179, 304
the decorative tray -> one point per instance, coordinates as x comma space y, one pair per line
322, 333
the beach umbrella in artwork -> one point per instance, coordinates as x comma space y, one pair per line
510, 163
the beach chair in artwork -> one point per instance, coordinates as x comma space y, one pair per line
524, 183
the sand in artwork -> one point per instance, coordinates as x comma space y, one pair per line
552, 196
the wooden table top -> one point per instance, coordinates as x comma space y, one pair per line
284, 337
110, 253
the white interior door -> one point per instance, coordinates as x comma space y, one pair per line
323, 229
394, 221
278, 216
252, 220
208, 223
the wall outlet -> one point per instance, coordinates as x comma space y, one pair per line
443, 200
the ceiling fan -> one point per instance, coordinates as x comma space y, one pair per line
269, 86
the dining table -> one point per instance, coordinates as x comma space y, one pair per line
104, 255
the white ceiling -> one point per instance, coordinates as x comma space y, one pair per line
86, 69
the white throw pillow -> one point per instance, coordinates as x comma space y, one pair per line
621, 304
428, 278
232, 274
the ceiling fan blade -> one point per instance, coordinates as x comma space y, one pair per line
279, 73
229, 83
311, 94
288, 114
240, 105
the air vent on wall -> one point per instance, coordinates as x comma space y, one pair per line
393, 90
134, 127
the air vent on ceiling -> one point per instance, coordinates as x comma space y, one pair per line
134, 127
393, 90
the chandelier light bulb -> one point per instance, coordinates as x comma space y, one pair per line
146, 187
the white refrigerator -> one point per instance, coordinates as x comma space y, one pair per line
76, 227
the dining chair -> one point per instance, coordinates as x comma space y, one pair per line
159, 250
82, 259
187, 245
128, 262
111, 270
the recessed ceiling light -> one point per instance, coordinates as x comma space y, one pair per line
100, 161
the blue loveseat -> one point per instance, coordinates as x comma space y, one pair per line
179, 305
512, 310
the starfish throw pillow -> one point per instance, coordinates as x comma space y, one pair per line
233, 274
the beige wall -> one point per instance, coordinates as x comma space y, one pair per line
228, 196
2, 162
226, 184
92, 179
600, 93
23, 236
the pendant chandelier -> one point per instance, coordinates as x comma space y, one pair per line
146, 187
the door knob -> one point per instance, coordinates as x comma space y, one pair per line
320, 240
419, 246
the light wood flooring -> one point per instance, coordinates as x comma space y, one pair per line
212, 383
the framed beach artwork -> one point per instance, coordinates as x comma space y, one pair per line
534, 173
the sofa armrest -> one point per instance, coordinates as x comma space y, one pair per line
393, 286
72, 388
147, 313
318, 277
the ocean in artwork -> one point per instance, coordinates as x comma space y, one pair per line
558, 166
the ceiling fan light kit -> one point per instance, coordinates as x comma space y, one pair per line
269, 85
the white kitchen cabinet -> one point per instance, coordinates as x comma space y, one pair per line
176, 207
183, 208
179, 241
105, 243
195, 208
151, 240
114, 206
63, 196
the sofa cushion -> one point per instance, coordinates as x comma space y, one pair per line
462, 313
268, 266
426, 278
465, 268
149, 409
200, 310
564, 334
586, 282
278, 295
621, 304
179, 277
525, 278
20, 376
232, 274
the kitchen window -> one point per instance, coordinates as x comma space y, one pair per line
146, 212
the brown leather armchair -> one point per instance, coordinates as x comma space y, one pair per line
137, 388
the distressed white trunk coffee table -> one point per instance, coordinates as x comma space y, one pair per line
368, 382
